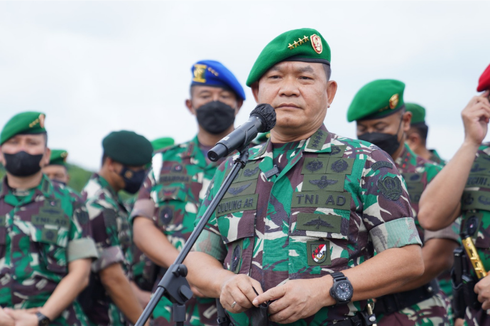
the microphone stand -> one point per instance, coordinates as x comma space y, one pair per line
173, 284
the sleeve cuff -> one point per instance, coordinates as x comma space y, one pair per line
395, 234
450, 232
143, 207
81, 248
107, 257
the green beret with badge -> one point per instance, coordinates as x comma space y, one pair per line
58, 157
128, 148
23, 123
304, 44
162, 142
376, 100
418, 113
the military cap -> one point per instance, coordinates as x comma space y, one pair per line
484, 82
377, 99
304, 44
214, 73
23, 123
58, 157
418, 112
127, 148
162, 143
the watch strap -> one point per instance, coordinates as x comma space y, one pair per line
42, 319
339, 276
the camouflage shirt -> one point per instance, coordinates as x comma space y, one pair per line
41, 231
436, 158
170, 196
475, 206
112, 236
318, 206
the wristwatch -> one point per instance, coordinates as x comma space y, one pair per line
42, 320
341, 289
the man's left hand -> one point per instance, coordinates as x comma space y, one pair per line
22, 317
297, 299
482, 288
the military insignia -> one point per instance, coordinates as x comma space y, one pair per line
237, 190
484, 200
318, 223
50, 235
250, 172
339, 166
128, 174
477, 168
235, 259
394, 101
468, 199
314, 165
316, 43
390, 187
414, 177
472, 225
83, 217
300, 41
178, 168
335, 150
323, 182
166, 215
168, 192
199, 71
41, 120
381, 164
319, 252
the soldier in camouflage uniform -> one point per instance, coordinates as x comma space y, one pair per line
45, 244
56, 169
110, 300
463, 186
417, 135
307, 211
168, 201
379, 110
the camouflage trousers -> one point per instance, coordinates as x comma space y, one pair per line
476, 317
199, 311
430, 312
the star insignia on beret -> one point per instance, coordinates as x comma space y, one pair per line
393, 101
301, 41
295, 44
290, 46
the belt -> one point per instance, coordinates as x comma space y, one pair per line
391, 303
359, 319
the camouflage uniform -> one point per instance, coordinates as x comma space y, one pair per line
329, 203
475, 206
172, 204
418, 172
111, 232
436, 158
41, 231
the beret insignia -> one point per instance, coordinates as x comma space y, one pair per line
199, 73
393, 101
316, 43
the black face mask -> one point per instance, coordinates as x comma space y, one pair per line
132, 179
22, 164
387, 142
215, 117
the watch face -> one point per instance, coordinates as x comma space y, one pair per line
343, 291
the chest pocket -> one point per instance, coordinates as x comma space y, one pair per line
50, 235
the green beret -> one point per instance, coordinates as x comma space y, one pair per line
378, 99
58, 157
127, 148
162, 143
305, 44
418, 112
23, 123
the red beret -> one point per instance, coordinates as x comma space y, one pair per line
484, 82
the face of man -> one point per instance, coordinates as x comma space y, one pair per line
201, 95
300, 94
33, 146
57, 172
124, 177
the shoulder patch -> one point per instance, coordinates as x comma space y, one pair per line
382, 164
390, 187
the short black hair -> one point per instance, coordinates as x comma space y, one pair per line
238, 98
421, 129
328, 70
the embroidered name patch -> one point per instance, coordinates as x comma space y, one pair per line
237, 204
325, 199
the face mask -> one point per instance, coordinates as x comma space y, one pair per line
22, 164
215, 117
387, 142
132, 179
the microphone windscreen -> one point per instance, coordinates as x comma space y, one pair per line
267, 115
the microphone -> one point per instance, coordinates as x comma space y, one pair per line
262, 119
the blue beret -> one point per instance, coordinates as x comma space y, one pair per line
213, 73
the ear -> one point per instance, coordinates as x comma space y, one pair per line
188, 104
46, 157
239, 104
255, 91
331, 91
407, 118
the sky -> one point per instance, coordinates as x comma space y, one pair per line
98, 66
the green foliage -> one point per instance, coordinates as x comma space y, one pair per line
78, 177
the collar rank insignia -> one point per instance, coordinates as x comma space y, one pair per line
317, 223
339, 166
393, 101
314, 166
236, 190
316, 43
323, 182
250, 172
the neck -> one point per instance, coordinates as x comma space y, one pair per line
208, 139
24, 183
109, 177
278, 137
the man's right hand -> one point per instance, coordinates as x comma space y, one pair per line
476, 116
237, 293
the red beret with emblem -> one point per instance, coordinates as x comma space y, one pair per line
484, 82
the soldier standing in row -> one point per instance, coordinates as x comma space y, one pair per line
379, 111
45, 244
110, 300
297, 230
167, 204
56, 169
463, 187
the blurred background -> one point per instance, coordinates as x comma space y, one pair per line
98, 66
